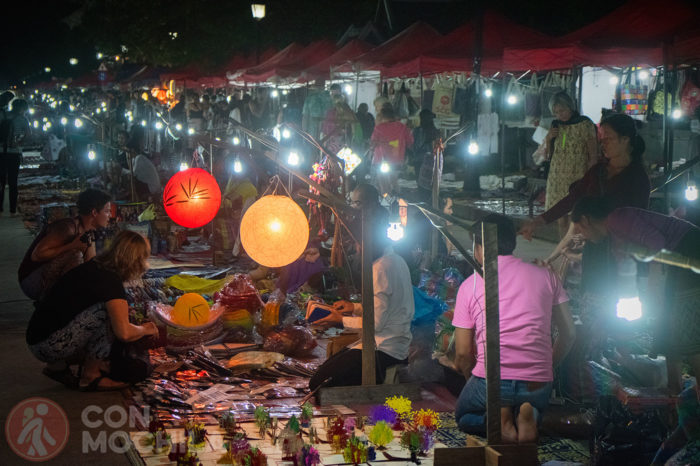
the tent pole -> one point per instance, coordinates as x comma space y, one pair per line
502, 149
664, 126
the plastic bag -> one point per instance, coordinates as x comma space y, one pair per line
292, 341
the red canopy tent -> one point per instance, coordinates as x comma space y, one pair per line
632, 34
455, 51
404, 46
290, 62
321, 70
686, 48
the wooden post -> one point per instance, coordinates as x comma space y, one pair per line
369, 376
489, 238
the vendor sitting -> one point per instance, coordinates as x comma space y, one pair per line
530, 298
64, 244
393, 313
305, 269
85, 311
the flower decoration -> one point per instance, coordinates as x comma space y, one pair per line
356, 451
196, 433
383, 413
307, 413
227, 421
349, 424
337, 435
308, 456
381, 434
400, 404
293, 424
262, 420
426, 418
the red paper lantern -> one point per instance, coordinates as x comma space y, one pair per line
192, 198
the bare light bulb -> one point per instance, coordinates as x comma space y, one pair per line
677, 114
488, 92
473, 148
286, 134
384, 167
293, 159
395, 231
348, 89
512, 99
236, 140
691, 192
183, 166
629, 308
237, 166
92, 155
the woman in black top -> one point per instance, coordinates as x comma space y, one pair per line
86, 310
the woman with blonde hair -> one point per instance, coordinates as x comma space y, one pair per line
84, 312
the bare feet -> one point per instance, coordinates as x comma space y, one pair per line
508, 432
527, 425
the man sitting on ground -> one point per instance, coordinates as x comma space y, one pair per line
393, 313
530, 299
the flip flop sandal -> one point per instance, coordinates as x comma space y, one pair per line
94, 385
64, 376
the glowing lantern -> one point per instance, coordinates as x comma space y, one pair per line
274, 231
192, 198
190, 310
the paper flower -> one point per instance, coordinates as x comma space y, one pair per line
262, 419
381, 434
426, 418
382, 413
196, 433
293, 424
349, 424
355, 451
400, 404
308, 456
227, 421
307, 413
337, 436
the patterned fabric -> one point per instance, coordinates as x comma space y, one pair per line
90, 333
569, 161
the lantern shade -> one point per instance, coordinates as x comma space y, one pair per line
274, 231
192, 198
190, 310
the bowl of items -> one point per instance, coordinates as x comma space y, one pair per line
190, 322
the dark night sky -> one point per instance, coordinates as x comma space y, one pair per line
38, 35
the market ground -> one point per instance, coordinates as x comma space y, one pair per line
20, 372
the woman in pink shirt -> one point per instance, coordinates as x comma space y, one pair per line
389, 141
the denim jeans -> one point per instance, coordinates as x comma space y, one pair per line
470, 412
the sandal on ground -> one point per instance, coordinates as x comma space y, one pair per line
94, 385
64, 376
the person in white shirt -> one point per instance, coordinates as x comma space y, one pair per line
393, 313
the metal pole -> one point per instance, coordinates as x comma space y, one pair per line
369, 376
437, 174
489, 238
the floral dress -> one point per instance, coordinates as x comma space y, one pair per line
570, 159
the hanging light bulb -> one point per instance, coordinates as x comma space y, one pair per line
677, 114
488, 92
190, 131
644, 74
78, 123
384, 167
99, 55
73, 61
35, 124
64, 121
32, 111
143, 123
274, 93
395, 231
178, 127
92, 155
293, 158
276, 133
237, 165
183, 166
614, 80
286, 134
158, 125
98, 111
348, 89
473, 148
629, 308
512, 99
236, 141
691, 191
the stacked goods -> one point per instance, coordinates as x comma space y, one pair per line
634, 99
239, 293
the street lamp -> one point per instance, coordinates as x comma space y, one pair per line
258, 10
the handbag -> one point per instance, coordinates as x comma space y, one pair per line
633, 99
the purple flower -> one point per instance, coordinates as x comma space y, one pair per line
382, 413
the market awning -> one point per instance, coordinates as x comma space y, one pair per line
349, 51
455, 51
633, 34
403, 47
290, 62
